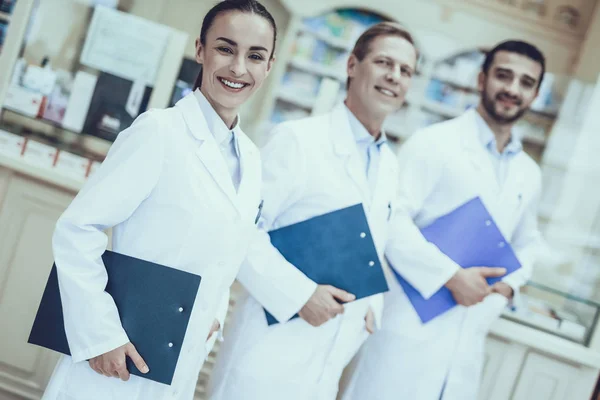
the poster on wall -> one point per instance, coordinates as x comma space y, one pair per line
124, 45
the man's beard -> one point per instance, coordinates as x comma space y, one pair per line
489, 106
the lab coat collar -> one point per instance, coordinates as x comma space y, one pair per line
345, 146
208, 149
488, 139
222, 133
478, 153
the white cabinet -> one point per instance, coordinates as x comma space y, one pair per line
546, 378
28, 213
500, 369
516, 371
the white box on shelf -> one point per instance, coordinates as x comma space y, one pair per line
10, 144
39, 154
23, 101
72, 164
39, 79
79, 101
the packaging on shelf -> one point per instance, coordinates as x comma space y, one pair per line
23, 101
6, 6
304, 46
301, 83
39, 154
72, 164
39, 79
10, 144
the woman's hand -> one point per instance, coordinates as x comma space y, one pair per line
214, 328
112, 363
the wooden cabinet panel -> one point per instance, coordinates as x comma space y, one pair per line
27, 218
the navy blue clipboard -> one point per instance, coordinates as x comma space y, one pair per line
154, 302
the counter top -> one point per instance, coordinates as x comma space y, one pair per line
546, 342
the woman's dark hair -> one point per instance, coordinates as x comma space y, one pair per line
246, 6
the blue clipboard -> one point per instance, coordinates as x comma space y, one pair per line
333, 249
470, 237
155, 304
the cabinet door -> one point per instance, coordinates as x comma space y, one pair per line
547, 378
501, 367
28, 213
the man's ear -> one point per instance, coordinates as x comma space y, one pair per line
351, 66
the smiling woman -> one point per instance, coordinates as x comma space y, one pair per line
193, 163
236, 48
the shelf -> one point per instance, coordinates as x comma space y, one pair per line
5, 16
441, 109
317, 69
533, 139
36, 120
292, 98
332, 41
456, 85
552, 114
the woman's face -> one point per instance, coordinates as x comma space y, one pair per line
235, 59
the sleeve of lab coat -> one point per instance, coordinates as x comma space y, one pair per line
418, 261
126, 177
526, 241
275, 283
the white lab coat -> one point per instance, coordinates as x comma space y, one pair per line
166, 191
442, 167
310, 167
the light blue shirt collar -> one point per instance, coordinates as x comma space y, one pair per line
217, 127
488, 139
360, 133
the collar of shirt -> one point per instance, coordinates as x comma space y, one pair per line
361, 135
222, 134
488, 139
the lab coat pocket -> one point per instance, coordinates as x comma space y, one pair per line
488, 311
83, 383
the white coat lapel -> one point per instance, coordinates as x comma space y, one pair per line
208, 151
250, 170
475, 152
514, 182
345, 147
385, 174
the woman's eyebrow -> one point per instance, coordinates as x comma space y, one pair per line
233, 43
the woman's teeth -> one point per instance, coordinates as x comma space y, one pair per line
232, 85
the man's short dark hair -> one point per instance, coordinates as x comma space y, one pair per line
519, 47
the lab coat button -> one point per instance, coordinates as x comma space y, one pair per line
363, 235
371, 263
